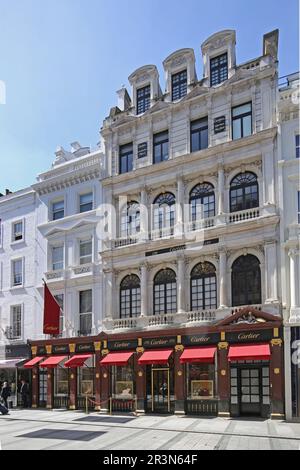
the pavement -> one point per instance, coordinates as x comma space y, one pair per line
74, 430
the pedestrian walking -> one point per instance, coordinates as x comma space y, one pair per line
24, 391
5, 393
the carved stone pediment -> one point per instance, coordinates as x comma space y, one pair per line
249, 316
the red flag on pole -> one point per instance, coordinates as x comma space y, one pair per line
51, 313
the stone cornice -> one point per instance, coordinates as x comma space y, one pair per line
78, 171
69, 223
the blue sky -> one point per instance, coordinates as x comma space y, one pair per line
63, 60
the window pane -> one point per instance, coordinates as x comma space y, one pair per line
247, 126
236, 129
58, 210
86, 202
85, 301
143, 99
245, 108
57, 258
85, 251
17, 272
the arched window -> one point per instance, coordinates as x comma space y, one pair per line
130, 297
164, 211
244, 192
246, 281
165, 292
130, 219
202, 202
203, 287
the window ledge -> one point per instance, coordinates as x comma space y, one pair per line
20, 287
17, 242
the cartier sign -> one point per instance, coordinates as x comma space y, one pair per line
87, 347
60, 349
249, 336
201, 340
159, 342
121, 345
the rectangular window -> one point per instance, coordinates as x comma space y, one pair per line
297, 146
17, 231
298, 207
57, 258
160, 147
60, 300
200, 381
85, 312
16, 322
218, 69
61, 381
85, 251
86, 380
241, 121
58, 210
143, 99
126, 158
86, 202
199, 134
17, 272
179, 85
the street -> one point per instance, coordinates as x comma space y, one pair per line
67, 430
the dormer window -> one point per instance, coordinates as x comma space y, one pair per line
179, 85
143, 99
218, 69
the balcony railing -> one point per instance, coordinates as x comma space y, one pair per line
192, 226
243, 215
127, 241
12, 334
202, 316
162, 233
54, 275
167, 319
201, 224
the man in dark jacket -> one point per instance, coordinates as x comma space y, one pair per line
5, 393
24, 391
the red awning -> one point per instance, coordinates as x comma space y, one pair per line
52, 361
206, 355
160, 356
116, 359
33, 362
259, 352
77, 361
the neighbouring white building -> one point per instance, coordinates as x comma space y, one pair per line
19, 303
49, 232
289, 197
68, 197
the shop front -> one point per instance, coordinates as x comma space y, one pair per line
233, 368
12, 370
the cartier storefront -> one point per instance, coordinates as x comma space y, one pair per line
233, 368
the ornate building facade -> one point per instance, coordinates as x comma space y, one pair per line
166, 251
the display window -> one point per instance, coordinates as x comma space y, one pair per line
123, 384
201, 381
86, 376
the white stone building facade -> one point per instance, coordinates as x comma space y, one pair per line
228, 156
289, 191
